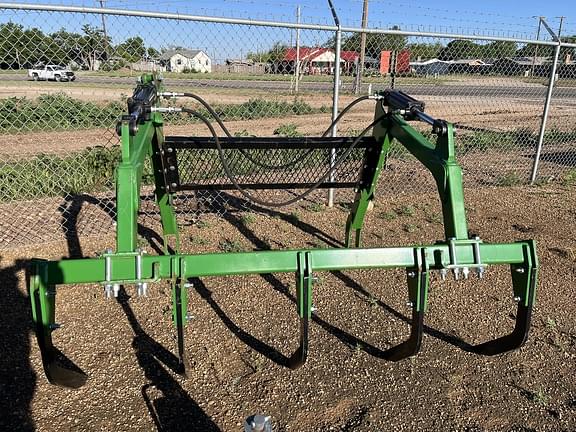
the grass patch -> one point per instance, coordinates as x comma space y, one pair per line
229, 246
315, 207
248, 219
387, 216
405, 210
289, 130
62, 112
511, 178
91, 170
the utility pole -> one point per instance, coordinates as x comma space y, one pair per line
102, 5
540, 18
360, 68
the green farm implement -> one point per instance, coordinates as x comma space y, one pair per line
358, 162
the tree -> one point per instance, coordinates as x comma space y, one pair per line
274, 54
499, 49
460, 49
152, 53
92, 46
375, 43
132, 49
424, 50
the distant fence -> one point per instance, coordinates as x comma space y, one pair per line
513, 101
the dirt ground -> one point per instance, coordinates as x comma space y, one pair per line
243, 327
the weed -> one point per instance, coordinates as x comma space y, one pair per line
294, 216
387, 216
551, 324
203, 224
199, 240
248, 219
243, 133
434, 218
405, 210
228, 245
509, 179
410, 228
315, 207
540, 397
141, 242
358, 348
569, 179
288, 130
372, 301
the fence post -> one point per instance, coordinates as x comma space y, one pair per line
545, 113
335, 109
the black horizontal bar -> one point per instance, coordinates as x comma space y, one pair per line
196, 186
268, 143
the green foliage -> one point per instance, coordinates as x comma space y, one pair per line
375, 43
60, 112
248, 219
55, 112
569, 179
229, 246
405, 210
315, 207
91, 170
481, 141
410, 228
288, 130
511, 178
387, 216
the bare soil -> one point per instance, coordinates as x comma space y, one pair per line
243, 326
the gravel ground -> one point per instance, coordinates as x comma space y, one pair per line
243, 327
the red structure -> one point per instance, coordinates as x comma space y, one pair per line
402, 61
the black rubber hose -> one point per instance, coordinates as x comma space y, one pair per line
315, 186
257, 162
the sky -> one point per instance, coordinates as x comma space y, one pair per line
505, 18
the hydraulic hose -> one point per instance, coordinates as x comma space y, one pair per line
250, 197
247, 155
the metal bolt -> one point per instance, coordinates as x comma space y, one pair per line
172, 168
108, 290
443, 273
465, 272
517, 299
456, 272
189, 317
188, 285
520, 270
411, 274
313, 309
173, 185
315, 279
116, 289
55, 326
480, 272
170, 149
409, 304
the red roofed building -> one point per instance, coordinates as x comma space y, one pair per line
317, 61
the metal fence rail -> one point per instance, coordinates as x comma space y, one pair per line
513, 101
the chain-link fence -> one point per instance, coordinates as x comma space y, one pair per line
66, 73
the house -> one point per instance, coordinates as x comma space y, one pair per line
432, 66
313, 61
469, 66
523, 66
185, 60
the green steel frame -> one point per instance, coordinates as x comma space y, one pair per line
142, 137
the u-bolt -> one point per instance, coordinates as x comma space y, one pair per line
452, 250
477, 260
141, 287
108, 273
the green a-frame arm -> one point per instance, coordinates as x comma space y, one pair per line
142, 137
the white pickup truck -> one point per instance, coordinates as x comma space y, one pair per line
51, 72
